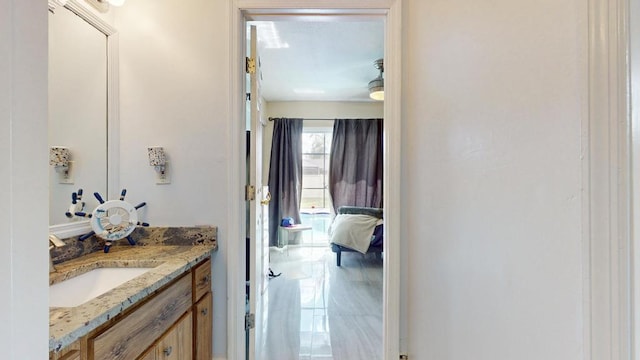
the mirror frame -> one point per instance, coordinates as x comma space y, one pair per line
113, 112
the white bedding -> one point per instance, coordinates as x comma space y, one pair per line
353, 231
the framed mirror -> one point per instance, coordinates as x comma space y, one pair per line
83, 112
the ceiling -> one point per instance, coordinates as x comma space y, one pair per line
319, 61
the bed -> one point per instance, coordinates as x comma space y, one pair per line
357, 229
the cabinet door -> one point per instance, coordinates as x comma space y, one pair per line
72, 355
140, 329
177, 344
201, 280
150, 354
203, 313
71, 352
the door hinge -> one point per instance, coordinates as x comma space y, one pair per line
250, 65
250, 193
404, 357
249, 321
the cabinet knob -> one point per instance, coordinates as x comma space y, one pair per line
167, 351
204, 311
207, 278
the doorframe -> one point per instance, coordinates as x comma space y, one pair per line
391, 12
634, 113
608, 208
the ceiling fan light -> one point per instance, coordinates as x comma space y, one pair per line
376, 89
116, 2
376, 86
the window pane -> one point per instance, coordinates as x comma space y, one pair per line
313, 198
313, 143
315, 162
315, 203
313, 170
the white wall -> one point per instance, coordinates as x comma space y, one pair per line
24, 322
491, 172
493, 100
635, 105
493, 103
314, 110
174, 65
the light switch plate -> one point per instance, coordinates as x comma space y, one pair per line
163, 180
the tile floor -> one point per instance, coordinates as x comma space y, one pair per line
317, 310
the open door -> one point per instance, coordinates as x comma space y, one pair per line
258, 199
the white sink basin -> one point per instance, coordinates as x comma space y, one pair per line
82, 288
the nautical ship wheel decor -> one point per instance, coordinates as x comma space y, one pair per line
113, 220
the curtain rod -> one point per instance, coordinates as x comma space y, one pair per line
271, 119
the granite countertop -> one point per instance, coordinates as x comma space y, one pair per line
66, 325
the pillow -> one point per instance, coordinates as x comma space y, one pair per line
353, 231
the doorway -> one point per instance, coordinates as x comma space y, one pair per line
390, 12
315, 308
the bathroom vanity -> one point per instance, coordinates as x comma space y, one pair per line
165, 313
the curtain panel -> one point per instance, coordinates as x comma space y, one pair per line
285, 174
355, 165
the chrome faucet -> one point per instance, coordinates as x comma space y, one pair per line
54, 241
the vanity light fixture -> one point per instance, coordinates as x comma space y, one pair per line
158, 159
60, 159
376, 86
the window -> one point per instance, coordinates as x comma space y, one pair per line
316, 145
315, 205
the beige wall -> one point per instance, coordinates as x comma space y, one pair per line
493, 101
635, 105
493, 104
24, 320
174, 64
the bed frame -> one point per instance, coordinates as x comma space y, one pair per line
358, 210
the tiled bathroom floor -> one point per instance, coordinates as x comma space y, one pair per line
317, 310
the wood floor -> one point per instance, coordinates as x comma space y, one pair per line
317, 310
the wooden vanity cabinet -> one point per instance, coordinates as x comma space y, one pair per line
173, 324
71, 353
201, 280
202, 312
75, 355
203, 324
130, 335
176, 344
149, 355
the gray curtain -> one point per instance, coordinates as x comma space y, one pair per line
285, 174
355, 168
